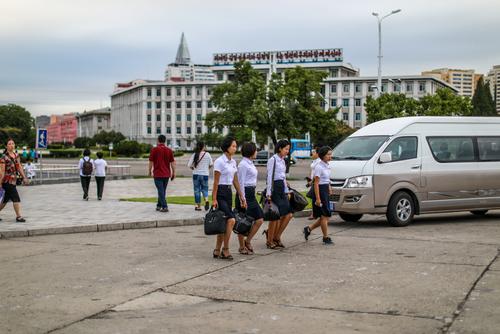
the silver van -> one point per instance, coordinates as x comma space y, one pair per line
414, 165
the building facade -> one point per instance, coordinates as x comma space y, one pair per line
463, 80
41, 122
94, 121
493, 78
62, 129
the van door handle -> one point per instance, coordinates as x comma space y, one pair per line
416, 167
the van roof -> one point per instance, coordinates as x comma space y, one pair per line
392, 126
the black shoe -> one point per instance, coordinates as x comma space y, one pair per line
307, 232
158, 208
327, 241
0, 219
99, 198
20, 220
207, 206
164, 210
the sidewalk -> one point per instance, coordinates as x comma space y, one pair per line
59, 208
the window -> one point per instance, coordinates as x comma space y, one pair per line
209, 92
198, 117
158, 117
149, 92
158, 130
149, 130
148, 105
220, 77
198, 91
178, 91
345, 102
345, 116
489, 148
371, 86
158, 105
169, 118
169, 105
198, 130
452, 149
357, 102
188, 117
178, 105
409, 87
158, 92
421, 86
397, 87
333, 103
188, 104
188, 130
178, 142
169, 131
198, 104
168, 142
357, 88
384, 87
209, 104
149, 118
403, 148
334, 73
333, 88
169, 92
178, 130
345, 88
188, 91
178, 117
358, 116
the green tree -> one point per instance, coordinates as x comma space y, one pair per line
83, 142
105, 137
212, 140
390, 106
482, 100
129, 148
16, 122
445, 103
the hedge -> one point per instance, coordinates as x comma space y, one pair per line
66, 153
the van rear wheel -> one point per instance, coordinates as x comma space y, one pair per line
479, 212
351, 218
401, 209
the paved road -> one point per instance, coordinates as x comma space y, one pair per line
441, 272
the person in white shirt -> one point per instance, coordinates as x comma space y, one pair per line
247, 177
315, 159
29, 170
321, 197
100, 166
222, 197
200, 162
277, 192
86, 166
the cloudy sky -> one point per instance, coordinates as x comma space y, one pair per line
60, 56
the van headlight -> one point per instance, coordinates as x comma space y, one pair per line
364, 181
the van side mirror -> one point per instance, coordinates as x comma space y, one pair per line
385, 157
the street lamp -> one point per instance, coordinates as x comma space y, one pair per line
379, 82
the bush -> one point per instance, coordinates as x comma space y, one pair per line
55, 146
178, 153
83, 142
146, 148
65, 153
129, 148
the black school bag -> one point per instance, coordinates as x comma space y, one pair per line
215, 222
297, 201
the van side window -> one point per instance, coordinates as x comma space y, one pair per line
489, 148
452, 149
403, 148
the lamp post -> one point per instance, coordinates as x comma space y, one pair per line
379, 19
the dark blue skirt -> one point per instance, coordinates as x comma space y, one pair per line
280, 198
253, 208
324, 195
225, 200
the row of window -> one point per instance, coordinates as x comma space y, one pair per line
178, 130
448, 149
178, 105
178, 117
357, 116
372, 87
178, 91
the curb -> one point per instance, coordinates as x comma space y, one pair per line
113, 227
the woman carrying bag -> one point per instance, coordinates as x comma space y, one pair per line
224, 176
200, 162
322, 191
277, 192
247, 177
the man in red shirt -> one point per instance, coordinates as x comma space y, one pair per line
162, 167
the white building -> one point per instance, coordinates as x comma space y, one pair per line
94, 121
463, 80
493, 78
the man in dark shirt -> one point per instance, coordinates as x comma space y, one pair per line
162, 167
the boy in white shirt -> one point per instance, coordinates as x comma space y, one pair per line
100, 173
29, 170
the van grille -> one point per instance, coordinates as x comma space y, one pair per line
335, 197
338, 183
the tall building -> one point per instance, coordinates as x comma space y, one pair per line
463, 80
493, 78
62, 129
94, 121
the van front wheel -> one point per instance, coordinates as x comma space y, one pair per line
401, 209
351, 218
479, 212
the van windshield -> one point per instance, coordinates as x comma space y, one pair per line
358, 148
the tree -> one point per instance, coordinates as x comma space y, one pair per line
213, 139
83, 142
445, 103
105, 137
129, 148
16, 122
482, 100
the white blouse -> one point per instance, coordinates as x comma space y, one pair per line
204, 164
313, 164
279, 173
322, 170
227, 168
247, 174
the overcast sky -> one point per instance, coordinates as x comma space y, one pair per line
65, 56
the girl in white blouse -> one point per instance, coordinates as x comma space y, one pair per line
321, 197
247, 177
224, 176
200, 163
277, 192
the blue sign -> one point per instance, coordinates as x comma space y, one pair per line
41, 138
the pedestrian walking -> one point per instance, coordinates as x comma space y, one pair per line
247, 178
101, 167
86, 167
321, 198
315, 159
162, 168
11, 175
29, 170
222, 196
200, 163
277, 192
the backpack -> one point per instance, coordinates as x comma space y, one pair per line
87, 167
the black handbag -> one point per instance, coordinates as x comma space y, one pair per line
215, 222
19, 177
271, 211
243, 223
310, 193
297, 201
